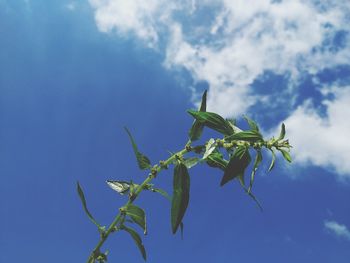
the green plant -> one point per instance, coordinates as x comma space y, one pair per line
236, 145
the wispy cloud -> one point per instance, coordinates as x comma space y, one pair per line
247, 39
323, 141
140, 18
337, 229
237, 43
232, 44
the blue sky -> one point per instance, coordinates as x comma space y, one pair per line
73, 73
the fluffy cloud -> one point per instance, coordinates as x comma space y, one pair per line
135, 16
337, 229
231, 44
323, 141
236, 43
249, 38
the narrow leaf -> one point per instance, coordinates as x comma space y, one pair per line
232, 123
242, 183
181, 195
122, 187
142, 160
162, 192
83, 201
250, 136
209, 148
213, 121
283, 132
190, 162
257, 161
237, 165
135, 236
137, 215
203, 106
197, 127
255, 199
273, 160
252, 124
241, 180
216, 160
286, 155
240, 151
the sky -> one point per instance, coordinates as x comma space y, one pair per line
74, 73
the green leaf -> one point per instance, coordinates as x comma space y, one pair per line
190, 162
135, 236
83, 201
203, 106
216, 160
250, 136
197, 127
273, 160
162, 192
241, 180
240, 151
257, 161
209, 148
232, 123
137, 215
142, 160
286, 155
213, 121
122, 187
252, 124
181, 195
282, 133
254, 198
237, 165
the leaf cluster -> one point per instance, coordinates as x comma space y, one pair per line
231, 152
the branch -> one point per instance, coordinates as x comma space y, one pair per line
237, 146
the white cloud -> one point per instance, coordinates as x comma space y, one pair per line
323, 141
231, 44
244, 39
284, 38
139, 17
337, 229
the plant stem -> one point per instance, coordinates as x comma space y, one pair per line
155, 170
163, 165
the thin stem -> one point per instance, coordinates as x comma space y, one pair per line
120, 216
119, 219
